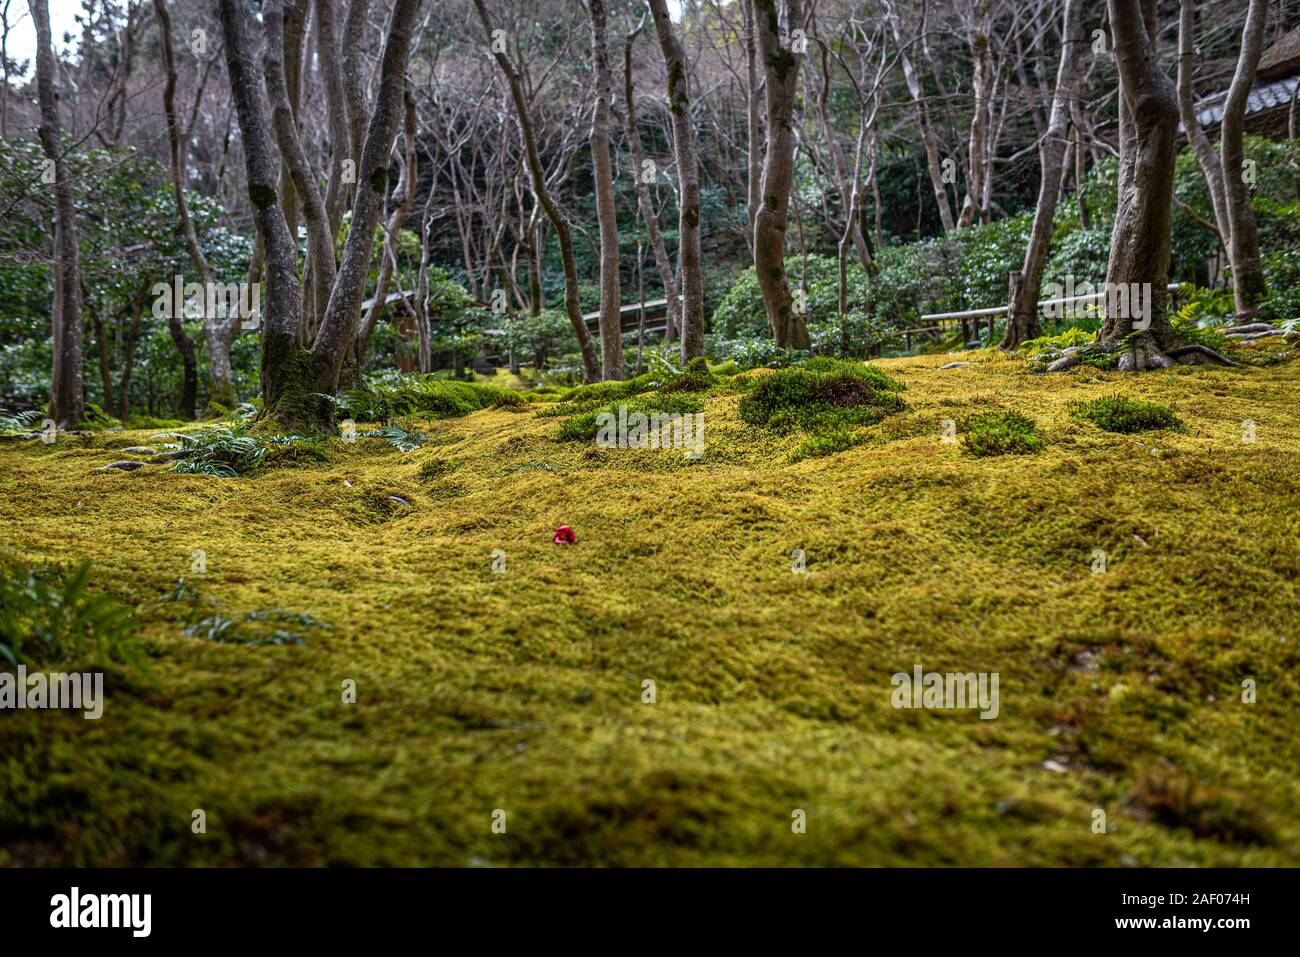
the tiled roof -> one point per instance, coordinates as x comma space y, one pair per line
1263, 98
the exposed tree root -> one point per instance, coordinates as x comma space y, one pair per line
1143, 352
1198, 355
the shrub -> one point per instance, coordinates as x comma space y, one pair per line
47, 615
1002, 433
1117, 413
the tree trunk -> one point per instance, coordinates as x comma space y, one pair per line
644, 202
1022, 320
933, 161
187, 406
1139, 251
339, 328
688, 175
286, 370
754, 154
781, 69
981, 87
611, 297
67, 397
563, 232
1248, 285
407, 180
1211, 165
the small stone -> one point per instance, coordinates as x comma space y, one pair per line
1054, 766
399, 500
125, 466
954, 365
140, 450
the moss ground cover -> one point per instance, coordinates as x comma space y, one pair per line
522, 690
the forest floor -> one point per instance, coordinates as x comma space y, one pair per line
521, 690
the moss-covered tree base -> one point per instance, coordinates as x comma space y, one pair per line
291, 401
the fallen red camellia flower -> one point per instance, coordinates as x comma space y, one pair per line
564, 536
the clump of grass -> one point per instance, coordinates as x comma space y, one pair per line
619, 389
1117, 413
433, 470
826, 397
48, 615
1002, 433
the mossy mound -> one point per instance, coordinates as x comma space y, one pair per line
1119, 413
496, 670
829, 398
1002, 433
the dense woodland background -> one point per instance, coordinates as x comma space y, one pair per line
873, 100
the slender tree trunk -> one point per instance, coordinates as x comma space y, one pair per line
563, 232
339, 327
781, 68
688, 174
286, 371
1138, 269
187, 405
407, 180
645, 203
754, 154
128, 359
67, 396
1211, 165
1022, 320
981, 86
222, 385
933, 161
327, 54
1248, 284
611, 296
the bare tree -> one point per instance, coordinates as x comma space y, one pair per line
930, 139
688, 176
1225, 178
1138, 270
781, 69
611, 298
1022, 320
67, 398
644, 203
590, 364
293, 378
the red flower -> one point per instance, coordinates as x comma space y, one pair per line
564, 536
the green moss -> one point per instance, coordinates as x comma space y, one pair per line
829, 396
1118, 413
522, 689
262, 194
1001, 433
